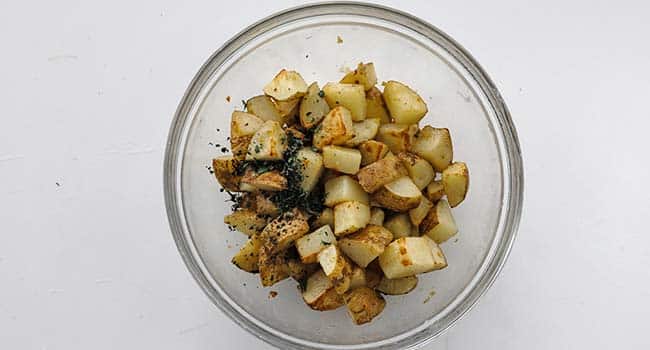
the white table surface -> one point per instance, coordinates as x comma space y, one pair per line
87, 94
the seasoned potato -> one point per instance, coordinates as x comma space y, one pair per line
264, 206
286, 85
420, 171
246, 221
408, 256
455, 180
244, 187
435, 191
310, 245
312, 168
375, 175
273, 267
376, 217
397, 286
248, 256
400, 195
364, 75
399, 225
268, 143
263, 107
313, 107
326, 217
268, 181
336, 128
435, 146
319, 293
375, 107
224, 168
344, 189
242, 128
364, 304
372, 151
350, 217
336, 267
398, 137
404, 104
439, 224
345, 160
364, 130
288, 109
350, 96
363, 247
280, 233
418, 213
300, 271
357, 278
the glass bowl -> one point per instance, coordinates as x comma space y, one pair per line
460, 97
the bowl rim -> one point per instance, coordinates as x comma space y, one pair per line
513, 191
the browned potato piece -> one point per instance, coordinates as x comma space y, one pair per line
357, 278
404, 104
224, 168
399, 225
376, 217
364, 304
350, 96
268, 181
455, 180
375, 175
280, 233
398, 137
408, 256
263, 107
248, 256
344, 189
365, 246
418, 213
268, 143
326, 217
310, 245
435, 191
375, 107
373, 277
264, 206
320, 294
273, 267
245, 221
242, 128
336, 267
400, 195
397, 286
372, 151
342, 159
364, 75
335, 129
439, 224
313, 107
288, 110
286, 85
420, 171
350, 217
364, 130
435, 146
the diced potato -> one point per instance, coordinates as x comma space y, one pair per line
280, 233
418, 213
398, 137
225, 170
336, 267
375, 107
435, 191
312, 168
336, 128
357, 278
310, 245
345, 160
350, 96
286, 85
376, 217
439, 224
350, 217
246, 221
372, 151
326, 217
244, 124
420, 171
404, 104
375, 175
268, 143
364, 304
263, 107
400, 195
364, 75
363, 247
248, 256
264, 206
273, 267
408, 256
268, 181
364, 130
397, 286
319, 293
435, 146
239, 146
288, 109
344, 189
313, 107
399, 225
455, 180
300, 271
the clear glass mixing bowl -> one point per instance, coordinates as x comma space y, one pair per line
460, 97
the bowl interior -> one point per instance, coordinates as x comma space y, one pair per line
309, 45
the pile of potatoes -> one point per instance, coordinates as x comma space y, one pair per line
388, 188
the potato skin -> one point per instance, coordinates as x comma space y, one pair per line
280, 233
434, 145
375, 175
398, 137
418, 169
435, 191
248, 256
225, 171
286, 85
455, 181
268, 181
366, 245
375, 106
404, 104
246, 221
364, 304
313, 107
395, 202
364, 74
336, 128
372, 151
263, 107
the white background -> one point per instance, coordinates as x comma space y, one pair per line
88, 90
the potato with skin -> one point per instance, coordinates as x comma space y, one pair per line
398, 286
408, 256
269, 181
336, 267
273, 267
372, 151
399, 225
263, 107
398, 137
350, 96
364, 304
400, 195
344, 189
350, 217
286, 85
313, 107
364, 130
434, 145
420, 212
357, 278
335, 129
404, 104
242, 128
310, 245
375, 106
248, 256
435, 190
282, 231
319, 293
342, 159
326, 217
264, 206
225, 170
439, 224
455, 180
300, 271
375, 175
312, 168
376, 216
246, 221
364, 75
366, 245
420, 171
268, 143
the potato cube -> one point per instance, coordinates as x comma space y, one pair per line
364, 304
400, 195
364, 130
435, 191
375, 175
376, 217
420, 171
248, 256
418, 213
280, 233
404, 104
268, 143
244, 124
372, 151
350, 217
273, 267
225, 170
398, 137
245, 221
312, 168
455, 180
345, 160
344, 189
399, 225
364, 75
319, 293
435, 146
310, 245
357, 278
336, 267
336, 128
363, 247
439, 224
313, 107
408, 256
350, 96
286, 85
375, 106
263, 107
326, 217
